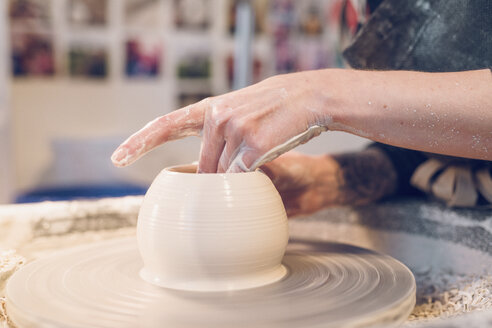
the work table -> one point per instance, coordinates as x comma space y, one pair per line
31, 231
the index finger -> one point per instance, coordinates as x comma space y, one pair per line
184, 122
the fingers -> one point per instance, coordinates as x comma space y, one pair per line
243, 161
212, 147
231, 149
237, 156
181, 123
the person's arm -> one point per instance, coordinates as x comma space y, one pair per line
310, 183
446, 113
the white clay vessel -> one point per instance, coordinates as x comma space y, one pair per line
211, 232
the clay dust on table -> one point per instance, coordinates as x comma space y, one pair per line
446, 294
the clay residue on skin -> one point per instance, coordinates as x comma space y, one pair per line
237, 164
335, 126
293, 142
131, 156
148, 137
124, 155
283, 93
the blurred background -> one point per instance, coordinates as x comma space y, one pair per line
77, 77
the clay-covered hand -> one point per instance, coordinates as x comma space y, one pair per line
309, 183
446, 113
305, 183
238, 127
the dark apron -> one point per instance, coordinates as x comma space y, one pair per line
425, 35
431, 36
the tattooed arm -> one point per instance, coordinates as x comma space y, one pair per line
363, 177
310, 183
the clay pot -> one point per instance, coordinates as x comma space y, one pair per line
211, 232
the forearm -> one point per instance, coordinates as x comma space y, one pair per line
446, 113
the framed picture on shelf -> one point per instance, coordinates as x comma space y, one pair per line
142, 13
282, 17
88, 61
32, 54
87, 13
186, 98
192, 14
310, 15
195, 65
143, 57
30, 14
260, 8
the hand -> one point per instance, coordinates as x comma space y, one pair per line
305, 183
238, 127
310, 183
423, 111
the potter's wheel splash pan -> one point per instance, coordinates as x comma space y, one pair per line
327, 285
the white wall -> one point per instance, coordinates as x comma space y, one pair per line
60, 110
6, 159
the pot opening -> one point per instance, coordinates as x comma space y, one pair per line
191, 168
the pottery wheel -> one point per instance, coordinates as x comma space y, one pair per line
327, 285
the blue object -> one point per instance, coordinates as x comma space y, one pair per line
80, 192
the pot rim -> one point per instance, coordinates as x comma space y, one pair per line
188, 169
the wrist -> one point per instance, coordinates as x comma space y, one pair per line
334, 89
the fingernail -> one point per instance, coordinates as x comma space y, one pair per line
120, 157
